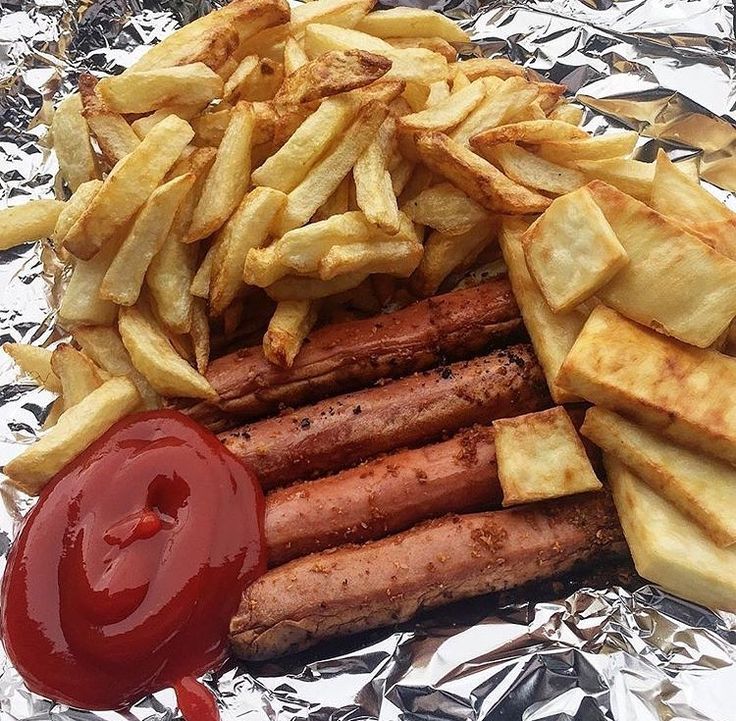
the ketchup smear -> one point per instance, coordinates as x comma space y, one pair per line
126, 573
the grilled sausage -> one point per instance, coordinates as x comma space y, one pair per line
354, 588
346, 356
340, 432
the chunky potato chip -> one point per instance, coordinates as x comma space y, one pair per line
448, 112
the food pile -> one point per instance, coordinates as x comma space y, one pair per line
303, 161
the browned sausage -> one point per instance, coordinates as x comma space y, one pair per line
383, 496
340, 432
345, 356
355, 588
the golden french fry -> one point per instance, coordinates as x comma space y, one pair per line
444, 253
460, 81
74, 431
532, 171
533, 111
78, 375
127, 187
552, 334
475, 68
31, 221
324, 177
294, 56
401, 173
415, 96
73, 209
615, 145
210, 127
228, 178
673, 282
571, 251
124, 278
411, 22
667, 547
144, 125
666, 385
34, 362
154, 356
446, 209
393, 257
435, 44
289, 326
337, 204
200, 286
630, 176
439, 92
702, 488
567, 113
345, 13
374, 190
239, 76
540, 456
148, 90
261, 83
286, 168
294, 287
528, 131
200, 333
104, 346
477, 177
54, 413
77, 160
248, 228
113, 134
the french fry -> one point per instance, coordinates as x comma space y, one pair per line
268, 43
474, 68
439, 92
155, 358
73, 209
113, 134
532, 111
294, 56
667, 547
294, 287
435, 44
73, 432
104, 346
332, 73
54, 413
446, 209
34, 362
630, 176
401, 175
247, 228
702, 488
552, 334
571, 251
200, 286
668, 386
324, 177
399, 258
540, 456
261, 83
213, 38
415, 65
673, 282
504, 99
148, 90
228, 178
31, 221
415, 96
144, 125
210, 127
411, 22
601, 147
567, 113
77, 374
345, 13
238, 77
374, 190
124, 278
127, 187
77, 160
337, 203
532, 171
477, 177
459, 81
529, 131
200, 334
444, 253
289, 326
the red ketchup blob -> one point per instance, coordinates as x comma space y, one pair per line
127, 571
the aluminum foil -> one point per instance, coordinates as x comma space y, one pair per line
614, 648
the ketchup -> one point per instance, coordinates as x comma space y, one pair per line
126, 573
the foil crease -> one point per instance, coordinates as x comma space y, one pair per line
616, 648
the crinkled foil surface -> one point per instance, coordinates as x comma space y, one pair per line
628, 652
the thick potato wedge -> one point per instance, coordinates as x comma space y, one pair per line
248, 227
128, 186
345, 13
104, 346
540, 456
667, 547
31, 221
73, 432
666, 385
571, 251
615, 145
475, 176
228, 178
446, 209
155, 358
73, 209
148, 90
411, 22
528, 131
289, 326
673, 282
34, 362
567, 113
702, 488
552, 334
124, 278
70, 132
78, 375
629, 176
